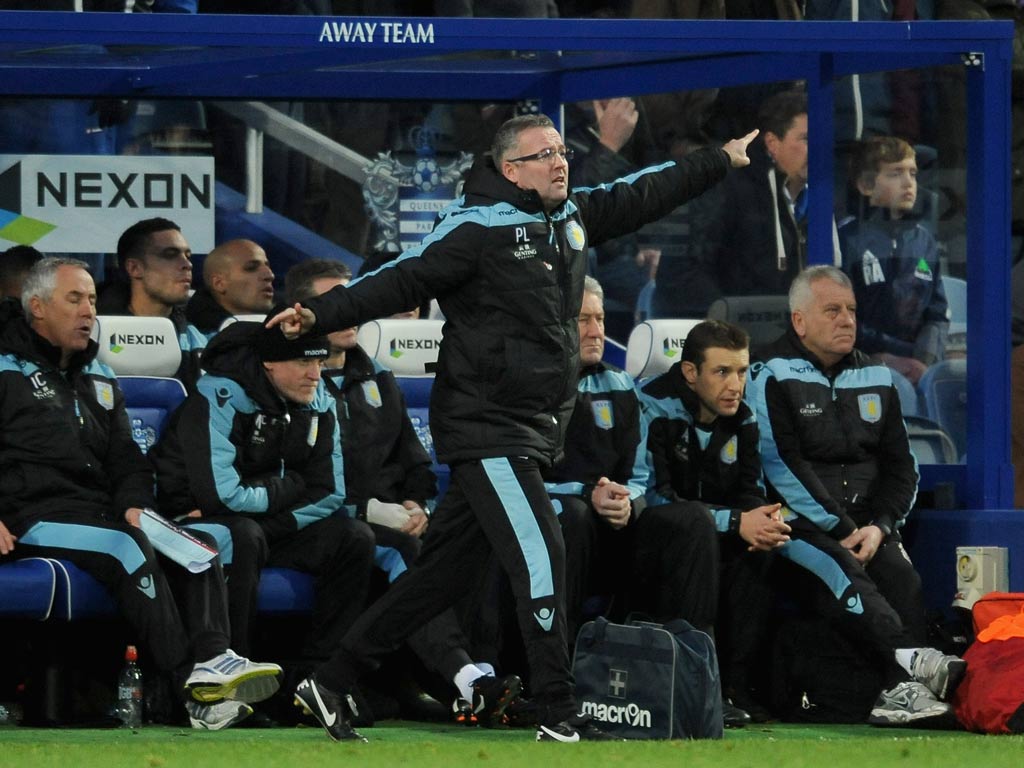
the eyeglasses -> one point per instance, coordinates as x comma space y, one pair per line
545, 155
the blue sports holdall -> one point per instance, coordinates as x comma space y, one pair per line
648, 681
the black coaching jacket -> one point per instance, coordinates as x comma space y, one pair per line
509, 278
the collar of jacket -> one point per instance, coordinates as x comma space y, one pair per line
485, 180
232, 355
204, 312
791, 346
358, 367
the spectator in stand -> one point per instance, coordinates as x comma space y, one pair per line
157, 261
836, 454
237, 280
78, 493
15, 264
893, 262
749, 235
703, 449
602, 137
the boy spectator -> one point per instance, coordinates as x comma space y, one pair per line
893, 262
75, 484
703, 448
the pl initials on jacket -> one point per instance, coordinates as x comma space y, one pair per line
509, 278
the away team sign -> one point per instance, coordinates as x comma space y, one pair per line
82, 203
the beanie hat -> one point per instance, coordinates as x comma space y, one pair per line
273, 346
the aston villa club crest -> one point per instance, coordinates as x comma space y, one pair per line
575, 235
603, 414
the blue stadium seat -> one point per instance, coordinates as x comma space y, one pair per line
79, 595
27, 589
943, 390
284, 591
908, 394
955, 289
929, 442
410, 348
645, 302
764, 317
150, 400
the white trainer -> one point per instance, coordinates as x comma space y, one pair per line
214, 717
234, 677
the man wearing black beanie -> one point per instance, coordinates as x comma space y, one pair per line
253, 457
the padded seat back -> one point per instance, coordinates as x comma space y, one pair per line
655, 345
138, 346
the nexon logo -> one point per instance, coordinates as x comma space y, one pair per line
630, 714
118, 341
672, 347
93, 189
399, 347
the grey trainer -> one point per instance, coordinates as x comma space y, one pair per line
907, 703
940, 672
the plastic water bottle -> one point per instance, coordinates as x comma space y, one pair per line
129, 690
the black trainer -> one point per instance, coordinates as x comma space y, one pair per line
331, 710
733, 716
492, 695
463, 714
576, 728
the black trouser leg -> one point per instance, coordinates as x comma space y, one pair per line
243, 553
338, 552
836, 586
498, 504
121, 558
675, 563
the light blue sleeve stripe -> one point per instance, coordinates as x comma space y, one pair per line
13, 363
389, 560
795, 495
567, 489
87, 538
859, 378
191, 339
721, 517
332, 502
825, 568
628, 179
227, 481
520, 515
222, 534
455, 216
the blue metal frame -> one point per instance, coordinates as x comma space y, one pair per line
564, 60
